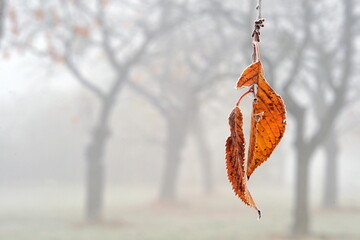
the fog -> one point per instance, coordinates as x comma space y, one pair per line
114, 117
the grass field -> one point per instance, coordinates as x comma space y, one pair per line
133, 214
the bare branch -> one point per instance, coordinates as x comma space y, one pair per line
81, 79
258, 7
106, 38
155, 101
301, 49
337, 106
149, 37
227, 14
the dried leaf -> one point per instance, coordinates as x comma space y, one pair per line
267, 128
250, 76
267, 120
235, 158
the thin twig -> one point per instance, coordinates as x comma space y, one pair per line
258, 7
259, 23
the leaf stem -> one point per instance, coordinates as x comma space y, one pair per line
251, 89
259, 23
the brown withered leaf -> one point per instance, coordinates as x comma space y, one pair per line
235, 158
267, 128
267, 120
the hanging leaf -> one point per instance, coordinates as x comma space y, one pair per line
267, 120
267, 128
235, 158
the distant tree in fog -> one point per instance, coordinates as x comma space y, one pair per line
182, 70
190, 70
83, 35
322, 74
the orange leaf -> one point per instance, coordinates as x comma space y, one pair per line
267, 128
235, 158
267, 120
250, 76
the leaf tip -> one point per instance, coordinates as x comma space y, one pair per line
259, 214
249, 76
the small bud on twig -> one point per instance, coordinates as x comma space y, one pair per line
256, 33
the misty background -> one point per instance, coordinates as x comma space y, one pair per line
114, 116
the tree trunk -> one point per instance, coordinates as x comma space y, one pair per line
176, 133
301, 217
205, 156
303, 153
330, 198
95, 174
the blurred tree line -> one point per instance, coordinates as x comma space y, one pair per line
175, 54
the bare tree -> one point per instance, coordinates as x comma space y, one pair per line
331, 180
191, 64
73, 32
326, 82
